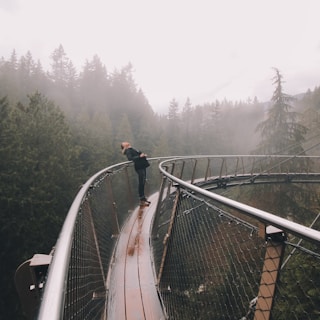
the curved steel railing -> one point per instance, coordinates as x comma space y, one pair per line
260, 215
217, 258
55, 288
54, 296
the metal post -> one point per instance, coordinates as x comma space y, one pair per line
236, 172
194, 171
170, 184
270, 273
222, 166
207, 170
182, 169
253, 164
163, 184
168, 234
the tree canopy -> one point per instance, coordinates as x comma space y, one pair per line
281, 133
60, 126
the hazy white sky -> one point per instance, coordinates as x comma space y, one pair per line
201, 49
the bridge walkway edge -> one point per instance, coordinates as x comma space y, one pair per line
132, 293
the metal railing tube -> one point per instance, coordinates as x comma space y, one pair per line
52, 304
53, 299
54, 292
263, 216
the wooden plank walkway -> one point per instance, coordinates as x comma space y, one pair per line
132, 290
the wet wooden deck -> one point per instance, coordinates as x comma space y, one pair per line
132, 290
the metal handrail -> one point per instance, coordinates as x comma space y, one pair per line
52, 303
260, 215
53, 297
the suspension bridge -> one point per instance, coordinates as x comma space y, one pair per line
199, 251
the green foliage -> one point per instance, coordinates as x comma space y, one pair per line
37, 182
60, 126
299, 289
281, 132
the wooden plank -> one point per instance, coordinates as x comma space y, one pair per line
134, 305
116, 294
132, 290
152, 306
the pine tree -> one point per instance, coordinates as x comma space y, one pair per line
174, 128
94, 86
186, 117
124, 131
37, 184
281, 132
59, 67
310, 105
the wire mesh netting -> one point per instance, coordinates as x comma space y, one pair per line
107, 204
101, 215
298, 287
213, 263
216, 262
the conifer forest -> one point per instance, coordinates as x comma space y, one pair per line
60, 126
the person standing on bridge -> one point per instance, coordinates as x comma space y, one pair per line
140, 165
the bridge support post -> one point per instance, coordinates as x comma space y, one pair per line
270, 273
170, 182
168, 234
207, 170
194, 171
182, 169
162, 187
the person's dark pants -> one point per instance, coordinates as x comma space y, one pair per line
142, 180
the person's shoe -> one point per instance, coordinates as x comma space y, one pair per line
145, 200
144, 203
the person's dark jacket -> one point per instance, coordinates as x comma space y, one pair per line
134, 155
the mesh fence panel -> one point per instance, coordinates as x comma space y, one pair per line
107, 204
209, 259
85, 289
101, 215
213, 263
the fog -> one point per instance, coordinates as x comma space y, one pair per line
204, 50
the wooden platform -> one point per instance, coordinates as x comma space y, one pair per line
132, 291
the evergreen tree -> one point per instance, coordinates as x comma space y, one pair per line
63, 77
124, 132
94, 140
310, 106
94, 87
161, 147
4, 136
173, 112
281, 132
37, 182
196, 144
186, 117
174, 128
59, 67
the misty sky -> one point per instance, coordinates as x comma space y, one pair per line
202, 49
